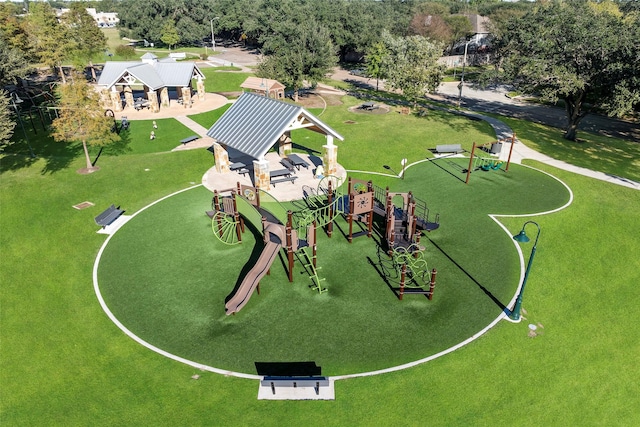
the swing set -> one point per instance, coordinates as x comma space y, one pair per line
487, 163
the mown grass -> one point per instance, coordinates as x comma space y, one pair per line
597, 152
220, 81
65, 363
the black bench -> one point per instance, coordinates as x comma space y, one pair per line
189, 139
315, 382
283, 179
109, 215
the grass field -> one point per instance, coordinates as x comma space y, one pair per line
65, 363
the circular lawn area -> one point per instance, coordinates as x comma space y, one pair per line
165, 277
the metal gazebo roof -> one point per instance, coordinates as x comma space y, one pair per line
254, 123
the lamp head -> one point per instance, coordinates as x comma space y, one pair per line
521, 237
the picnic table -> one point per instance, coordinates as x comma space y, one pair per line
239, 167
139, 104
298, 161
368, 106
281, 175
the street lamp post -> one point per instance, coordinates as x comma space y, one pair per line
523, 238
213, 40
15, 107
464, 62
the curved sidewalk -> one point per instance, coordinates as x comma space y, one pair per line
521, 152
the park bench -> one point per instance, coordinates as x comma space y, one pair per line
283, 179
189, 139
108, 216
286, 381
449, 148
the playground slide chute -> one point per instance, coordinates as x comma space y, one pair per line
252, 279
273, 244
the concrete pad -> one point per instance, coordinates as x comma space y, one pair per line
285, 191
115, 225
297, 393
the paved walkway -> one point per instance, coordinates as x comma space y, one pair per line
521, 152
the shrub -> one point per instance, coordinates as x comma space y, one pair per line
125, 51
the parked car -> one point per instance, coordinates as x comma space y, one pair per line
358, 72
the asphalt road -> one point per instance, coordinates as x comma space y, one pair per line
496, 101
489, 101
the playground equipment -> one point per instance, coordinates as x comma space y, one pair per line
296, 232
407, 269
486, 163
279, 233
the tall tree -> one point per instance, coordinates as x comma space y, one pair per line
412, 65
88, 39
81, 119
6, 121
570, 51
170, 35
376, 58
13, 64
49, 39
294, 57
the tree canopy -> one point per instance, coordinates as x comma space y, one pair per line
412, 65
87, 38
582, 53
297, 54
50, 41
81, 118
6, 121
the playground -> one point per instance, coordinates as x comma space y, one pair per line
166, 277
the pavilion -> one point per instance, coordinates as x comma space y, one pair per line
254, 124
155, 77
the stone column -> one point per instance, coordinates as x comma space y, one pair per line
284, 144
261, 174
105, 99
152, 96
164, 96
221, 158
115, 99
186, 97
200, 87
330, 159
128, 96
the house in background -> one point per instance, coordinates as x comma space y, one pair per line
479, 41
104, 19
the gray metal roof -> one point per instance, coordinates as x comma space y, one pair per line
152, 73
254, 123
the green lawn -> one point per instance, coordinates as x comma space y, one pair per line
65, 363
